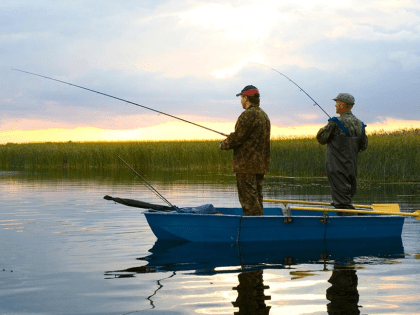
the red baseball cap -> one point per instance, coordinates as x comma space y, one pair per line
250, 90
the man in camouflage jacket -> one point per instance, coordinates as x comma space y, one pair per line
251, 151
346, 137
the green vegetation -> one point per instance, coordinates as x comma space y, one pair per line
147, 154
390, 156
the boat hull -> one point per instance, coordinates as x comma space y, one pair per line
232, 227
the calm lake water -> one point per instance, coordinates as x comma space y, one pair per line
66, 250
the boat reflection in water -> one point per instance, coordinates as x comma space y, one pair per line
254, 257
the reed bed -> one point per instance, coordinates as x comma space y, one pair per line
148, 154
393, 156
390, 156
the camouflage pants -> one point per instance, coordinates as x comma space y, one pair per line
250, 193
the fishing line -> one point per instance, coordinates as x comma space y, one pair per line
148, 185
294, 84
120, 99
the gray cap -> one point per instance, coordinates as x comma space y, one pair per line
345, 97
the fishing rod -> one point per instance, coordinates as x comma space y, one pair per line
120, 99
149, 186
294, 84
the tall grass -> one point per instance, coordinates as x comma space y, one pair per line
390, 156
297, 157
148, 154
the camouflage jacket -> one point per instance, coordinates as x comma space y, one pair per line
351, 123
250, 142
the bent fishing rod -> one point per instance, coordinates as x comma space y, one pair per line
294, 84
120, 99
150, 186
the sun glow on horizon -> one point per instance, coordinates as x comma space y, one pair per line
174, 131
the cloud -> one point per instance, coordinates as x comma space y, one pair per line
245, 23
408, 60
190, 58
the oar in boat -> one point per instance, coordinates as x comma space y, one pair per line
415, 215
390, 207
139, 204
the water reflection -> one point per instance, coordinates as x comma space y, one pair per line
343, 294
194, 186
251, 297
407, 194
48, 264
250, 260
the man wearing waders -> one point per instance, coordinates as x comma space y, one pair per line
345, 137
251, 151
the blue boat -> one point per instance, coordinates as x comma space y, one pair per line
230, 226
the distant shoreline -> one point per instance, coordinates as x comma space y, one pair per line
392, 156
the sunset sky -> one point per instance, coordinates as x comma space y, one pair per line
190, 58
